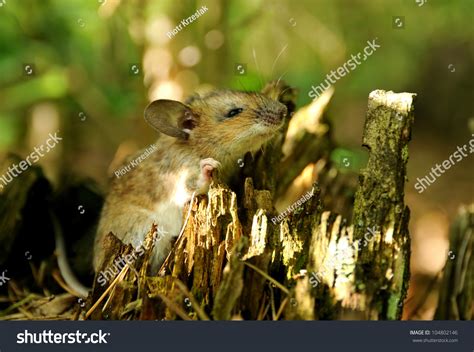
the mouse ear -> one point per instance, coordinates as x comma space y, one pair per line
170, 117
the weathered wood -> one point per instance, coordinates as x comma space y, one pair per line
307, 140
361, 270
383, 267
232, 284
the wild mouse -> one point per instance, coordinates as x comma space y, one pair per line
203, 134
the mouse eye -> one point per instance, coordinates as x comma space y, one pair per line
234, 112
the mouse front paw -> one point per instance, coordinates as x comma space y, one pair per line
208, 165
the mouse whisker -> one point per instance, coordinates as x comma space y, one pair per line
245, 89
276, 60
258, 68
283, 92
278, 81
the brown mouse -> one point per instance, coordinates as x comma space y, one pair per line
203, 134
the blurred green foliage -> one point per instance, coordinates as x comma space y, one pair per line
82, 52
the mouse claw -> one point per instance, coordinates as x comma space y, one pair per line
208, 165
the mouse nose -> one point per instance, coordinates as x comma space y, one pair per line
274, 113
283, 110
279, 110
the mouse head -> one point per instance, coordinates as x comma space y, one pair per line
221, 118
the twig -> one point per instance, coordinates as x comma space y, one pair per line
125, 269
18, 304
200, 312
268, 277
58, 278
282, 307
174, 307
120, 278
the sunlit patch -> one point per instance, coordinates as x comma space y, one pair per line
214, 39
388, 238
166, 90
189, 56
155, 31
152, 70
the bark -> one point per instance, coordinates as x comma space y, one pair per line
383, 267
